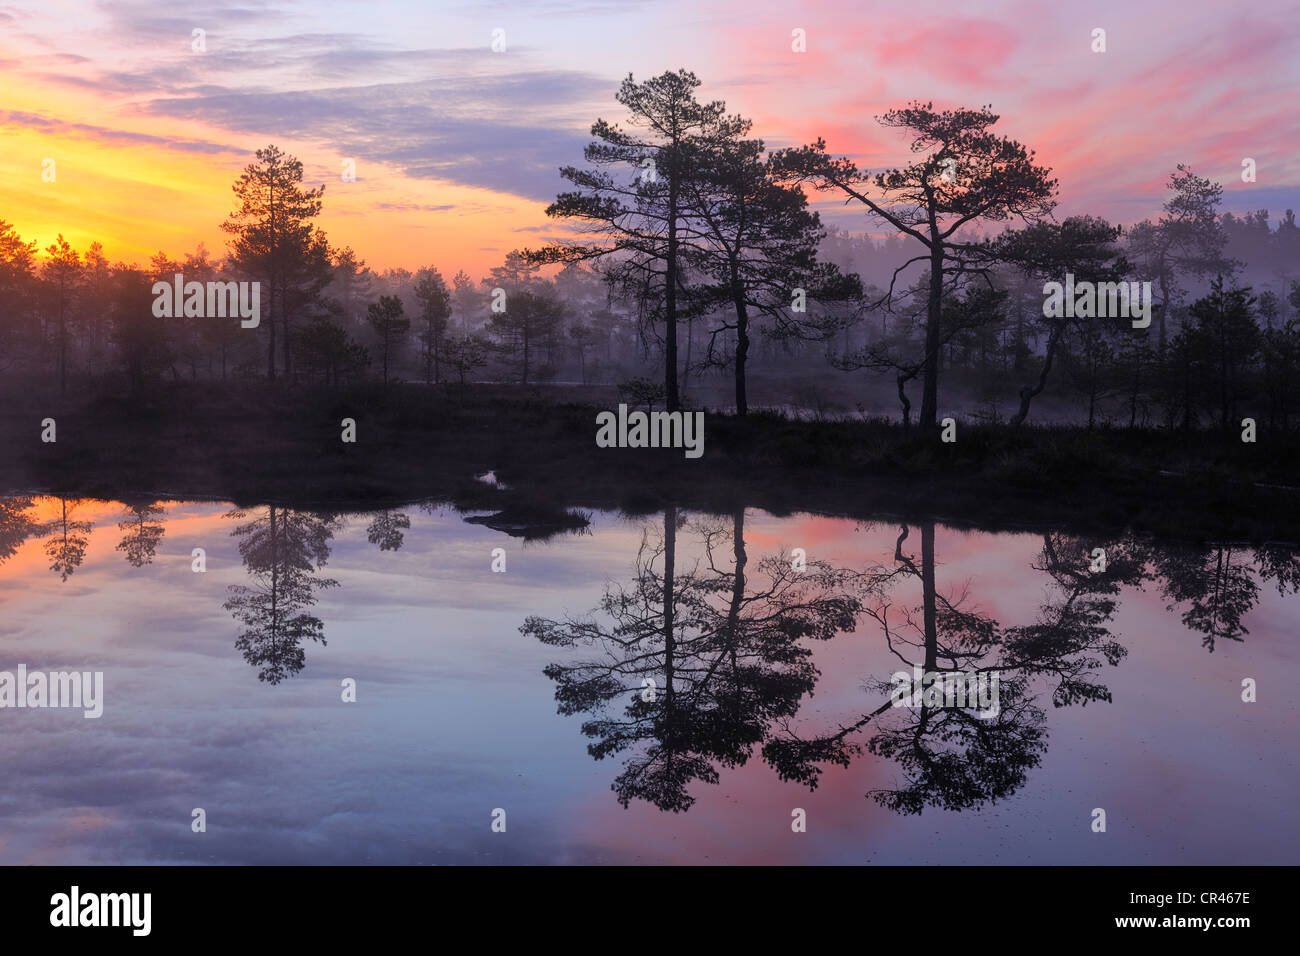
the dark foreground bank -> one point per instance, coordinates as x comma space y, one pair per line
260, 442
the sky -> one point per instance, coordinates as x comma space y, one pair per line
457, 147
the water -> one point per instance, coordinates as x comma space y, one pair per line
217, 699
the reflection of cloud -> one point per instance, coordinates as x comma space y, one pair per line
185, 725
454, 717
745, 820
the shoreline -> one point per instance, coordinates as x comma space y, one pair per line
257, 442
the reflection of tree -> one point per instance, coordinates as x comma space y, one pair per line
532, 521
722, 646
722, 641
1280, 564
66, 544
1220, 583
15, 525
1072, 630
953, 757
387, 530
282, 550
142, 533
1217, 585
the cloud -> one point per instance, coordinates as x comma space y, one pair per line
412, 207
556, 8
507, 133
969, 52
56, 127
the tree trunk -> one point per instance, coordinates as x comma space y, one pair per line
1029, 393
930, 383
742, 350
284, 321
1164, 307
670, 290
1137, 387
904, 400
63, 355
525, 381
270, 324
928, 597
670, 555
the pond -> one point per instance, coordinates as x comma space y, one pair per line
407, 686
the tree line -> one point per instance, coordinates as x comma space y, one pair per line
692, 258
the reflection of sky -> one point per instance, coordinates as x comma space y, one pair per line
454, 718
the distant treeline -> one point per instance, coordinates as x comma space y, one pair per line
696, 259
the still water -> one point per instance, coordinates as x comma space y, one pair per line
672, 688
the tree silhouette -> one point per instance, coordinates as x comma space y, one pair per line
435, 309
353, 279
17, 292
142, 533
643, 221
1280, 564
1187, 240
62, 273
274, 240
529, 319
724, 650
952, 757
466, 354
1223, 339
387, 530
282, 549
16, 526
1216, 585
1081, 245
143, 339
388, 320
67, 541
967, 175
756, 243
324, 348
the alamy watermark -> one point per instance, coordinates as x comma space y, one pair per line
75, 908
1100, 300
973, 690
651, 430
212, 300
84, 689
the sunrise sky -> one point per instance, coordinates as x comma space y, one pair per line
457, 147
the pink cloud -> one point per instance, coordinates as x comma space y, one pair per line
968, 52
